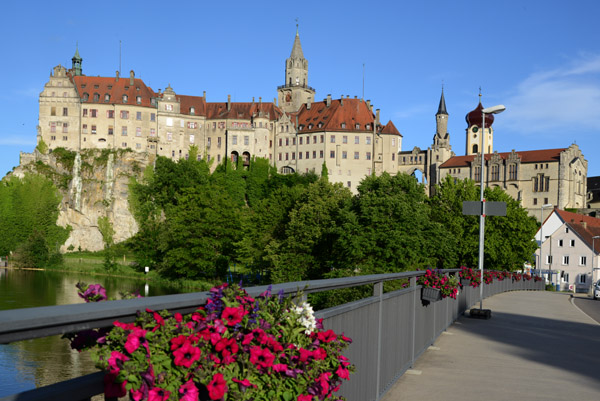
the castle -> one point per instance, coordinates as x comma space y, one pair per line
295, 132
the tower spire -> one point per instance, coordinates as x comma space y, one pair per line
76, 61
442, 106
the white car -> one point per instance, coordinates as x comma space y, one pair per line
597, 290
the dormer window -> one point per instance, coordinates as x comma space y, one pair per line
343, 125
192, 110
83, 86
96, 86
137, 88
300, 127
124, 98
109, 87
310, 126
107, 98
96, 97
320, 125
357, 126
86, 96
368, 126
138, 100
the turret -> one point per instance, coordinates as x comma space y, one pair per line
441, 138
76, 63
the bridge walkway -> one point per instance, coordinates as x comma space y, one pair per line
536, 346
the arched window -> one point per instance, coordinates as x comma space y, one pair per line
124, 98
96, 97
475, 148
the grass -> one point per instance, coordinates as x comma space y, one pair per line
93, 263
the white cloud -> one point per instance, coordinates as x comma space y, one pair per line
566, 98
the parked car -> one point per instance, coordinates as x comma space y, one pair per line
597, 290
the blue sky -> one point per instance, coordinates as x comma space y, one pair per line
539, 58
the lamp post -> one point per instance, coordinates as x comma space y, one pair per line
547, 205
594, 268
489, 110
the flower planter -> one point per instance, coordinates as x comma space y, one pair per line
429, 294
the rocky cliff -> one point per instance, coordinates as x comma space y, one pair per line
94, 184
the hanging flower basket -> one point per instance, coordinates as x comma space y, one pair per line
429, 294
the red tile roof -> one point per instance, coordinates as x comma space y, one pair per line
349, 112
586, 232
390, 129
187, 102
242, 111
115, 88
527, 156
570, 217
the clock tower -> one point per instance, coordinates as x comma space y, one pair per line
295, 90
474, 132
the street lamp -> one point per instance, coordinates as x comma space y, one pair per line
490, 110
547, 205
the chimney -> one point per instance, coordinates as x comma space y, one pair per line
328, 100
342, 100
308, 105
275, 101
369, 103
131, 77
377, 116
356, 97
117, 74
260, 100
252, 99
228, 102
371, 108
204, 95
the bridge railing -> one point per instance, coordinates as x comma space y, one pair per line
389, 330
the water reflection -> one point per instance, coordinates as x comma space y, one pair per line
28, 364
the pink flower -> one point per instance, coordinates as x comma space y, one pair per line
188, 391
243, 383
319, 354
233, 316
323, 381
343, 373
227, 346
158, 394
135, 339
262, 358
217, 387
116, 361
186, 355
280, 367
124, 326
112, 388
303, 397
178, 341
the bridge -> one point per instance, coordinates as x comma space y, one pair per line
433, 349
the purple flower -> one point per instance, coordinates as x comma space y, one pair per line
92, 292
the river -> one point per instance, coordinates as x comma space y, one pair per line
25, 365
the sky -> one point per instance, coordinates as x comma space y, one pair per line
541, 59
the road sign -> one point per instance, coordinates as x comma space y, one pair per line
475, 208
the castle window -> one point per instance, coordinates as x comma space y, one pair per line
357, 126
344, 154
84, 128
477, 174
52, 127
343, 125
124, 144
332, 139
192, 110
369, 155
124, 98
65, 128
301, 140
495, 173
169, 136
65, 111
315, 139
53, 138
123, 131
247, 140
64, 94
234, 140
300, 155
138, 145
321, 154
332, 154
512, 172
93, 130
93, 113
124, 114
307, 155
152, 116
356, 140
287, 141
86, 96
138, 115
152, 131
64, 138
138, 100
107, 97
368, 126
111, 130
294, 141
393, 157
138, 131
314, 154
368, 140
168, 107
218, 142
475, 148
344, 139
310, 126
110, 114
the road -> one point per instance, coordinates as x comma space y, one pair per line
589, 306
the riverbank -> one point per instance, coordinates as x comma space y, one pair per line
93, 264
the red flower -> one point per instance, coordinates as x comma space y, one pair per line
303, 397
323, 380
158, 394
343, 373
217, 387
327, 336
262, 358
188, 391
233, 316
243, 383
112, 388
186, 355
116, 361
227, 346
135, 339
124, 326
319, 354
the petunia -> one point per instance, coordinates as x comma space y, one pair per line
186, 355
136, 338
244, 384
327, 336
188, 391
112, 388
115, 361
233, 316
262, 358
227, 345
343, 373
217, 387
158, 394
303, 397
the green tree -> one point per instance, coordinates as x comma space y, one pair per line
106, 229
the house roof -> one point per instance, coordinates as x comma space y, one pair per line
390, 129
114, 87
242, 111
570, 217
344, 115
587, 233
187, 102
526, 156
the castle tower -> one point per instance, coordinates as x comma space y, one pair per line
441, 138
474, 124
76, 63
295, 91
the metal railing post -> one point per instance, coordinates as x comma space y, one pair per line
413, 285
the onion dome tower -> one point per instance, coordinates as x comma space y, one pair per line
76, 63
474, 125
